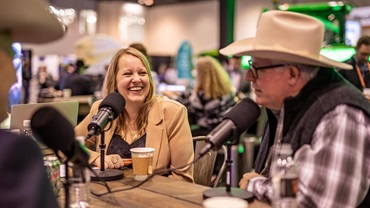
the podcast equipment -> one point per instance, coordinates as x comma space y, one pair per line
51, 128
54, 130
235, 122
109, 109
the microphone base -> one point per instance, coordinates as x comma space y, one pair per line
107, 175
234, 192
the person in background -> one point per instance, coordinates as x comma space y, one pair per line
23, 181
360, 75
211, 97
148, 120
310, 106
237, 74
44, 77
78, 83
66, 71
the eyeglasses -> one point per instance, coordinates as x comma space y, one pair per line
254, 69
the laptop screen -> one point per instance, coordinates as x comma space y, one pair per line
21, 112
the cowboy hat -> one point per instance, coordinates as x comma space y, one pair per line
286, 36
29, 21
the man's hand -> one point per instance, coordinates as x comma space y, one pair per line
246, 177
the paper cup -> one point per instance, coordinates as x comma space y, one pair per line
142, 162
225, 201
67, 93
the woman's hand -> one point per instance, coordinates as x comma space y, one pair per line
110, 161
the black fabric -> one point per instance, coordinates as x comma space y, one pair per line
23, 181
119, 146
79, 84
352, 77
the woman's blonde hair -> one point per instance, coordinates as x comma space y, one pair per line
110, 85
212, 78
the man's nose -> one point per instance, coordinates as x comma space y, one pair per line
249, 76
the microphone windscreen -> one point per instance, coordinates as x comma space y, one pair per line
53, 129
115, 101
244, 114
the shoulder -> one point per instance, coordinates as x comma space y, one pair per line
167, 109
166, 103
25, 146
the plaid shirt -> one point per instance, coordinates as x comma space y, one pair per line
336, 164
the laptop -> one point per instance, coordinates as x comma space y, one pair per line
21, 112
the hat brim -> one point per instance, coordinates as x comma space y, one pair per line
30, 21
245, 47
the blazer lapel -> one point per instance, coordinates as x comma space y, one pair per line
155, 132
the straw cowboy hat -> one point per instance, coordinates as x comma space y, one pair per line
286, 36
29, 21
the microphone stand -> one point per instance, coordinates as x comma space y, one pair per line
109, 174
66, 186
228, 191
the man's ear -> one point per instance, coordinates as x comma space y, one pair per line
294, 74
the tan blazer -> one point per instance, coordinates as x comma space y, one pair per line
168, 132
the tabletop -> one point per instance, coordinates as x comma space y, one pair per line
157, 192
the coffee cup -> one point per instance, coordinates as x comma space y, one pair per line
142, 162
225, 201
67, 93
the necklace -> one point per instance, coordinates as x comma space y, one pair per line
132, 132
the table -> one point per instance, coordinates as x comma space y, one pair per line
83, 100
158, 192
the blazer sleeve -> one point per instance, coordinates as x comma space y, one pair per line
180, 142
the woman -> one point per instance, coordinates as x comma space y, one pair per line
147, 120
211, 97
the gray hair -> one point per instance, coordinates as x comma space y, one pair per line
308, 72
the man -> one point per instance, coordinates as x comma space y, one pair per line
309, 105
23, 181
360, 75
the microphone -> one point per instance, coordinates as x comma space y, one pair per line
54, 130
238, 119
109, 109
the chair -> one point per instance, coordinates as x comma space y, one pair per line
203, 168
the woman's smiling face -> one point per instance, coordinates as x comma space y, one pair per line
132, 79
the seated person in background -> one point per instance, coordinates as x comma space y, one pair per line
310, 106
211, 97
147, 120
79, 84
23, 181
67, 70
44, 77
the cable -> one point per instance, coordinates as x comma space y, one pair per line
157, 172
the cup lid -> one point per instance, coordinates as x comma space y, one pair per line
225, 201
142, 149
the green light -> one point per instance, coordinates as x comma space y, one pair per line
240, 149
338, 53
244, 62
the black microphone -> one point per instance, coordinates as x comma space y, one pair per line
51, 128
238, 119
109, 109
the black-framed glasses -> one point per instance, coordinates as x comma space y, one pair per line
254, 69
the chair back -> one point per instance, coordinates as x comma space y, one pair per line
203, 168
